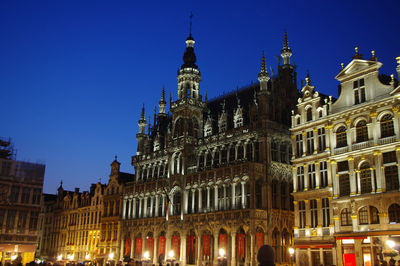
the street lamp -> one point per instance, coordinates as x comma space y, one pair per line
87, 256
222, 256
146, 257
291, 252
390, 243
171, 256
59, 257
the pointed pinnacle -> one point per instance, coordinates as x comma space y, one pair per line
142, 115
285, 41
308, 80
205, 96
263, 70
163, 95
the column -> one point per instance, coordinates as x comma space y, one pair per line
215, 236
296, 218
315, 139
306, 179
373, 189
243, 195
334, 178
134, 209
224, 203
354, 222
358, 182
304, 141
252, 251
294, 175
151, 214
157, 204
208, 199
200, 198
349, 133
216, 198
317, 175
185, 201
183, 237
320, 218
163, 205
168, 237
328, 136
198, 248
380, 177
233, 251
352, 176
155, 245
233, 196
308, 217
193, 199
124, 209
145, 214
372, 128
140, 208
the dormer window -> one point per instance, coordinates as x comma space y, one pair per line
309, 114
359, 91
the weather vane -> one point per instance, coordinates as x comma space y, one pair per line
190, 29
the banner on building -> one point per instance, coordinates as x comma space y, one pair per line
161, 246
128, 244
240, 245
190, 246
222, 241
175, 246
349, 259
259, 239
206, 245
150, 245
138, 249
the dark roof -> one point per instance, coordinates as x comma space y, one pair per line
125, 177
49, 197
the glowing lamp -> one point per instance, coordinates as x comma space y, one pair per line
87, 257
390, 243
111, 256
221, 252
146, 255
59, 257
171, 254
291, 251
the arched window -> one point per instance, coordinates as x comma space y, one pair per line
208, 159
240, 151
363, 215
232, 154
341, 137
365, 178
345, 218
284, 195
216, 159
361, 131
259, 193
298, 121
178, 131
249, 151
276, 243
394, 213
373, 215
387, 128
177, 203
285, 245
309, 114
275, 199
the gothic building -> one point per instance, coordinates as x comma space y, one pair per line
213, 176
346, 155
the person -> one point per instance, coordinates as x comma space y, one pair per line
265, 256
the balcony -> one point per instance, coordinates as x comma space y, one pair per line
387, 140
341, 150
362, 145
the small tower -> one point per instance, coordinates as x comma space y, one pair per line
263, 76
162, 103
141, 135
286, 52
398, 66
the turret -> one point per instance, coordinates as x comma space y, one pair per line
286, 52
398, 66
263, 76
162, 103
141, 135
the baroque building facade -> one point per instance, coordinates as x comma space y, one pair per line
213, 177
346, 154
21, 185
84, 226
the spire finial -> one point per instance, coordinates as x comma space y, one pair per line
342, 65
115, 157
263, 69
285, 41
308, 80
190, 29
142, 115
163, 95
149, 128
356, 49
205, 97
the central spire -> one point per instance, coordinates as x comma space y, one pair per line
189, 57
286, 52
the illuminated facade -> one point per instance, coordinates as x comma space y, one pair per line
345, 168
21, 185
213, 175
70, 224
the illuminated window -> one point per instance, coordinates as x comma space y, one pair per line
310, 142
300, 178
345, 217
314, 213
321, 140
311, 176
363, 215
323, 168
344, 185
302, 214
365, 176
359, 91
394, 213
299, 145
361, 131
309, 114
341, 137
387, 128
325, 212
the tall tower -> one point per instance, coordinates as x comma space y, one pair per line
286, 52
189, 74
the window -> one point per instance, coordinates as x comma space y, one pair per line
345, 218
223, 156
208, 159
238, 196
216, 159
300, 178
311, 176
283, 153
365, 177
374, 215
310, 142
2, 213
258, 194
394, 213
274, 151
299, 145
14, 194
10, 220
302, 214
323, 174
284, 195
321, 140
359, 91
177, 203
314, 213
344, 185
240, 152
221, 198
275, 199
361, 131
341, 137
363, 215
249, 151
25, 195
325, 212
309, 114
387, 128
22, 219
392, 178
232, 154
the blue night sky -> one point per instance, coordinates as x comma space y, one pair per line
74, 74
